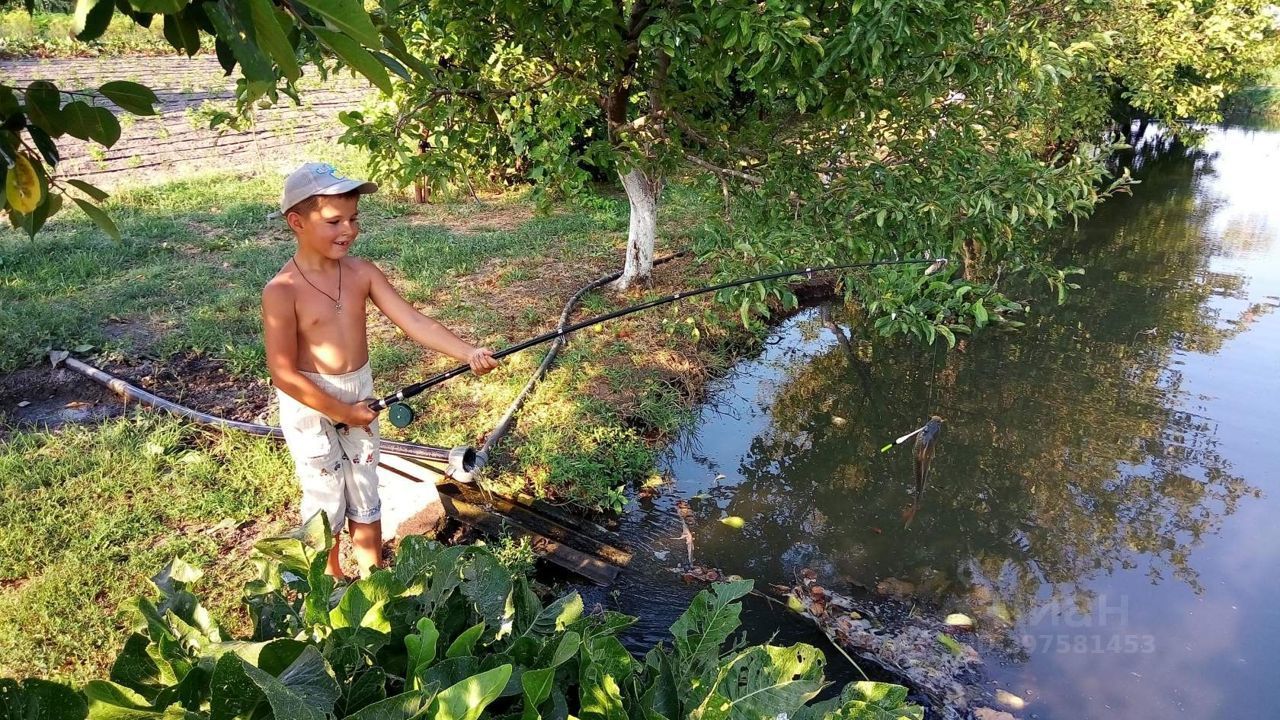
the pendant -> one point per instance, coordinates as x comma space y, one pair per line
338, 307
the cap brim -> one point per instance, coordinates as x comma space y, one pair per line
345, 186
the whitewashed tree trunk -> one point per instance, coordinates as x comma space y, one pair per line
643, 194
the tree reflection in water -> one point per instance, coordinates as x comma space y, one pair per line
1069, 450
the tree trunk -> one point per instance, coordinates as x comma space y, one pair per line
643, 194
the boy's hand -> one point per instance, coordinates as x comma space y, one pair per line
358, 415
481, 361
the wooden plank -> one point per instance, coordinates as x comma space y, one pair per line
540, 522
593, 569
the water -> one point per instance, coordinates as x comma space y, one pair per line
1104, 496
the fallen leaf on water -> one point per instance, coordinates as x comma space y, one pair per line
960, 620
733, 521
949, 643
24, 403
1009, 700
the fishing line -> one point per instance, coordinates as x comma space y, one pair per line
401, 415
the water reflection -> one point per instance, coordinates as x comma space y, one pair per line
1069, 451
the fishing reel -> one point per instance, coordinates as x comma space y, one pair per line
400, 414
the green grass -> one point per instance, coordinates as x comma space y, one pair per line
111, 503
48, 34
91, 512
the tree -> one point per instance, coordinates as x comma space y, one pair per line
837, 129
269, 44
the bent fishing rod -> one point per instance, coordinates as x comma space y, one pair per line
401, 415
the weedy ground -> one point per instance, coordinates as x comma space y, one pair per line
94, 509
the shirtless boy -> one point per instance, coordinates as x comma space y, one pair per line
313, 315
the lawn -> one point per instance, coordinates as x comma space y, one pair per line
110, 503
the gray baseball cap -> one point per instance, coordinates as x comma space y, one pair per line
319, 179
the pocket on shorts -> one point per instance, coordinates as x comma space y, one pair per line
308, 439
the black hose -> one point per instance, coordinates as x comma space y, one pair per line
132, 392
417, 388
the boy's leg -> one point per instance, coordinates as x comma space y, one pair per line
334, 567
318, 464
366, 539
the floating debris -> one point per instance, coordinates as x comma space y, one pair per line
959, 621
1009, 700
733, 521
918, 649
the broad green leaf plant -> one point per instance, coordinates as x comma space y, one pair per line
447, 634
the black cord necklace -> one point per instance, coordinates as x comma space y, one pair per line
337, 301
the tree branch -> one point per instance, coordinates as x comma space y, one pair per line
753, 179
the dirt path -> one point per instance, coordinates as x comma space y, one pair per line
175, 142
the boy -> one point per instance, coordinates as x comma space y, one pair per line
313, 316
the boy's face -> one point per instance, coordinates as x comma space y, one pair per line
330, 227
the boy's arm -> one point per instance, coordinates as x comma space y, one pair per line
422, 329
280, 337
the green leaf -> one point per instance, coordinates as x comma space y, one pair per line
363, 603
356, 57
272, 38
231, 691
158, 7
866, 701
43, 104
605, 666
306, 690
40, 700
708, 622
566, 648
393, 65
487, 585
99, 217
980, 313
405, 706
91, 18
764, 681
422, 650
234, 32
109, 701
130, 96
945, 332
88, 122
88, 189
48, 149
465, 643
536, 686
468, 699
182, 33
349, 17
554, 618
9, 105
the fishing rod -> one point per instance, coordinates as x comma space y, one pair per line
401, 415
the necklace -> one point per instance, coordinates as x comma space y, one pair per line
337, 301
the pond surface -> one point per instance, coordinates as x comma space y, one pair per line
1104, 496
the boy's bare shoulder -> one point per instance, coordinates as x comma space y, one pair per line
281, 286
361, 265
